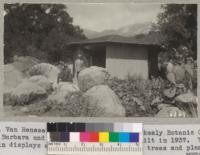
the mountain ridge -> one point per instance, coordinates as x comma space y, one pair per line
127, 31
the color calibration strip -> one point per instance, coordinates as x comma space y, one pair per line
94, 132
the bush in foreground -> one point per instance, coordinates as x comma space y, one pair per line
137, 94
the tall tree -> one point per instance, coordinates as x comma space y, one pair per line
178, 23
38, 27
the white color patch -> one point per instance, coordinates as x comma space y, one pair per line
74, 137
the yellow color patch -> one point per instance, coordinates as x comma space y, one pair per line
103, 137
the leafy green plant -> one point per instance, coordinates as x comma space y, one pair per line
137, 94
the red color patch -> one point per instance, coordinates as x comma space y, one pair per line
94, 137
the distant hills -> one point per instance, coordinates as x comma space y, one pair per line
126, 31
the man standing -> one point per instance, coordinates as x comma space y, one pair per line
79, 64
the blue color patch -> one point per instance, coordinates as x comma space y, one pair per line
134, 137
124, 137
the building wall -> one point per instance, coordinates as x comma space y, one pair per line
122, 60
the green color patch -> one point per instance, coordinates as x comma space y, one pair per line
113, 137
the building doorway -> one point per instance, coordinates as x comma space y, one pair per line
97, 56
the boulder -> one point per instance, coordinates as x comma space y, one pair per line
25, 93
49, 71
24, 63
12, 77
92, 76
15, 73
61, 91
167, 111
186, 98
102, 102
42, 81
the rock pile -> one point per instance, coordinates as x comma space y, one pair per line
27, 88
39, 88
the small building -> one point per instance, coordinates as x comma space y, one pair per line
121, 56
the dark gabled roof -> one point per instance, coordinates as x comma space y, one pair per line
153, 38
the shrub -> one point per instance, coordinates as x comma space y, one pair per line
137, 94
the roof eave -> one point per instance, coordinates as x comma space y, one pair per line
110, 42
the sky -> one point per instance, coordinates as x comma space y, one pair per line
101, 16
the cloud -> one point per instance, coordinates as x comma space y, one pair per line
103, 16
